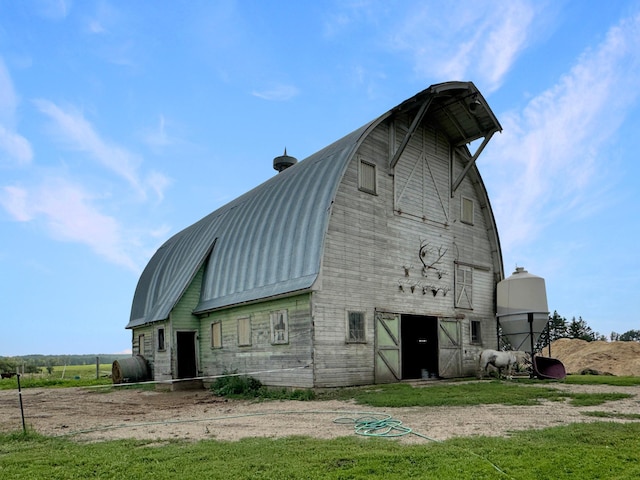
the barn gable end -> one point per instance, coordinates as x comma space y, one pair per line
373, 260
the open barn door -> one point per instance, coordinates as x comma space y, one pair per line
387, 347
450, 348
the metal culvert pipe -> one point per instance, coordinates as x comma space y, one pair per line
129, 370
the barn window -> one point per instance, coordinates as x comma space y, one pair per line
467, 210
216, 335
244, 331
476, 332
367, 177
141, 345
355, 327
161, 345
279, 327
464, 286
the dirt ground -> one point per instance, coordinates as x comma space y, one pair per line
94, 415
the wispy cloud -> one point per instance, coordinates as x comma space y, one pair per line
278, 93
68, 213
16, 148
480, 41
546, 162
157, 137
53, 9
72, 128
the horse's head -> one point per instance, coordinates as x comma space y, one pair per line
522, 358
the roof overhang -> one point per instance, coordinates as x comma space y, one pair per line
459, 110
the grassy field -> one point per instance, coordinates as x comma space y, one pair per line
61, 376
591, 450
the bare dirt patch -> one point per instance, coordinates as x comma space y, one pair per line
94, 415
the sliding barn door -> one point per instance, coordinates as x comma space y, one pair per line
450, 348
387, 348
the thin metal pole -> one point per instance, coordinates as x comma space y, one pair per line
24, 427
530, 319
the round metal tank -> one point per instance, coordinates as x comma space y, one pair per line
132, 369
522, 308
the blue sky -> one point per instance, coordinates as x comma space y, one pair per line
123, 122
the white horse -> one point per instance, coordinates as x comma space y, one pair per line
507, 360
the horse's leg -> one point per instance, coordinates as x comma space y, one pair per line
510, 371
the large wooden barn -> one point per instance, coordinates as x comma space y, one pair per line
373, 260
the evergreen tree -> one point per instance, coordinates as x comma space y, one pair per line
630, 336
580, 329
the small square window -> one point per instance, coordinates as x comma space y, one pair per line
161, 345
467, 211
244, 331
367, 177
279, 327
216, 335
355, 327
476, 331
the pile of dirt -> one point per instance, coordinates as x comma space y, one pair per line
605, 358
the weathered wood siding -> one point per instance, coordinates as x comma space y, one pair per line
144, 333
288, 364
377, 247
162, 358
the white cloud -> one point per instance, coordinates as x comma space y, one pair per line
73, 128
68, 213
8, 97
158, 138
14, 201
157, 182
278, 93
479, 40
16, 148
54, 9
551, 153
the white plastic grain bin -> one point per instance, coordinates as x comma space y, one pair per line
522, 308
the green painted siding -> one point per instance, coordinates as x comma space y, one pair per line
183, 320
181, 316
288, 364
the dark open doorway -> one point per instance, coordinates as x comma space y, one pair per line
187, 365
419, 341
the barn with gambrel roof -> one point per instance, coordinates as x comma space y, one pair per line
373, 260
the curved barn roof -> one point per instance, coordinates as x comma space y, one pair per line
269, 241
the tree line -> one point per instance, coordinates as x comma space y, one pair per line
559, 327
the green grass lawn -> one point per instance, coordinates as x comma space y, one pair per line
461, 394
596, 450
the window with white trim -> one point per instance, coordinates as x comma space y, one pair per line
244, 331
216, 335
356, 327
279, 327
367, 177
